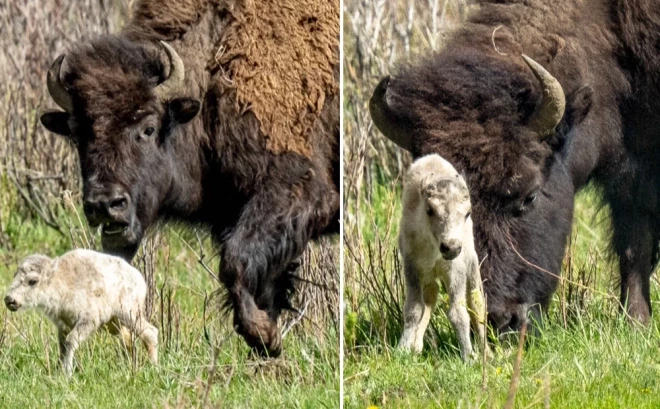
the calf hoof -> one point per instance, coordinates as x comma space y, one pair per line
153, 355
409, 346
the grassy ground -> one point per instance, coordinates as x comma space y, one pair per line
305, 377
587, 357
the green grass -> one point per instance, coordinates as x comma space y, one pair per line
306, 376
588, 356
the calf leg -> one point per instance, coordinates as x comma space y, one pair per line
61, 340
78, 334
272, 231
417, 309
116, 328
149, 336
636, 244
458, 314
142, 329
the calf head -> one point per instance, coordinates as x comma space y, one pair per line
122, 111
26, 288
447, 207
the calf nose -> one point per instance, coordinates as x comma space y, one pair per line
11, 303
450, 249
106, 205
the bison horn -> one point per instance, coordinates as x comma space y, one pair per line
385, 119
55, 87
547, 116
167, 89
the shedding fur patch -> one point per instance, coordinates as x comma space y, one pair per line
280, 57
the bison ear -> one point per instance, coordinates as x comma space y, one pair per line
57, 122
578, 105
183, 110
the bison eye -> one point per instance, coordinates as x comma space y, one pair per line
526, 203
530, 199
467, 216
429, 211
149, 131
32, 282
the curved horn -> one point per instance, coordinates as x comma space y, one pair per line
55, 87
384, 117
547, 116
166, 89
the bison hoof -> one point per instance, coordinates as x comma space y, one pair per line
265, 343
260, 333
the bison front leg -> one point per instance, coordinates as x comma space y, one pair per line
636, 244
258, 254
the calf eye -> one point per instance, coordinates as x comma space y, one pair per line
429, 211
148, 131
32, 282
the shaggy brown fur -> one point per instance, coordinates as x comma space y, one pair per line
471, 102
266, 52
145, 159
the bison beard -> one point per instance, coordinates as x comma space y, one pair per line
161, 136
478, 105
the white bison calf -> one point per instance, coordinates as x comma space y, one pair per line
81, 291
437, 243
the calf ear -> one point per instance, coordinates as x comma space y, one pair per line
182, 110
57, 122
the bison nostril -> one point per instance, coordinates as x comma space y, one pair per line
118, 203
88, 208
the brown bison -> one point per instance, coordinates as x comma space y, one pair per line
162, 135
532, 101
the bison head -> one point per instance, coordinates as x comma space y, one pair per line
506, 126
122, 113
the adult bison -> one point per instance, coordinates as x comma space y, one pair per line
162, 134
528, 132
